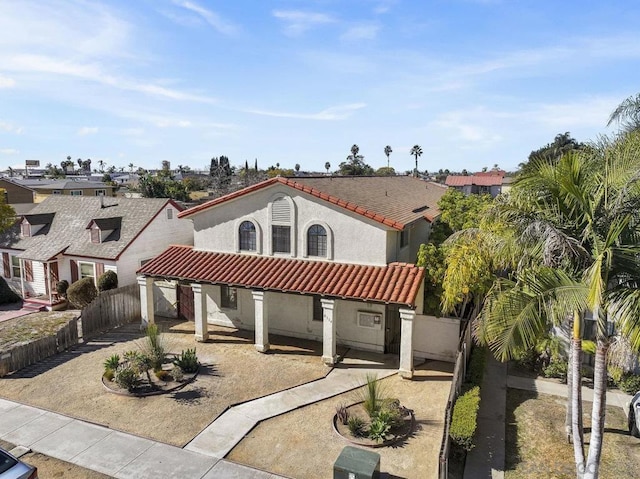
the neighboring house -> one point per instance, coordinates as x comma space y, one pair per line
322, 258
70, 238
36, 190
483, 183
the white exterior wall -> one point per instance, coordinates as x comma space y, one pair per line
356, 239
155, 238
165, 298
436, 338
33, 288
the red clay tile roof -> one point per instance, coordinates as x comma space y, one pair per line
477, 179
396, 283
394, 201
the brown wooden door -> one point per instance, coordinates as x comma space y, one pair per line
186, 308
392, 329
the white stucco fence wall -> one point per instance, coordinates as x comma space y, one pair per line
436, 338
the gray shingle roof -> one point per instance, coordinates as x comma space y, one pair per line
68, 230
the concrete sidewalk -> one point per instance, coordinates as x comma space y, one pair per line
232, 426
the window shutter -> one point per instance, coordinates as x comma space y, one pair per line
6, 265
28, 270
74, 270
99, 269
281, 211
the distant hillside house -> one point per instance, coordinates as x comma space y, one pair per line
483, 183
324, 258
35, 190
71, 238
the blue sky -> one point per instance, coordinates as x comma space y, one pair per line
474, 82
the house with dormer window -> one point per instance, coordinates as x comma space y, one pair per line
71, 238
324, 258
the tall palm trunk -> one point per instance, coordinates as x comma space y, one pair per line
569, 406
599, 409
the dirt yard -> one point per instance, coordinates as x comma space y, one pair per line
535, 430
233, 372
303, 444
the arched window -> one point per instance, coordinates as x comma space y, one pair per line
316, 241
247, 236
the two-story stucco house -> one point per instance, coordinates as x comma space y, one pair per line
69, 238
323, 258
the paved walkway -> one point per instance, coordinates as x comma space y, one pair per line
128, 456
487, 459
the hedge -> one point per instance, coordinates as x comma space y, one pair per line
108, 280
82, 292
475, 371
7, 295
465, 418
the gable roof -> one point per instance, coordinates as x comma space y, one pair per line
67, 229
51, 184
394, 201
396, 283
484, 178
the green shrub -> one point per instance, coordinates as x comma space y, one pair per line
112, 362
356, 426
629, 383
82, 292
465, 418
615, 373
163, 375
62, 287
154, 346
109, 374
177, 373
187, 361
529, 359
7, 295
379, 428
127, 377
556, 369
372, 396
390, 414
475, 371
108, 280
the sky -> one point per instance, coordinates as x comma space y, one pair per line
473, 82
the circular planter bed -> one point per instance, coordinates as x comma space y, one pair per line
150, 389
395, 435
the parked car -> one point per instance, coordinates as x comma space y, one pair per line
12, 468
634, 415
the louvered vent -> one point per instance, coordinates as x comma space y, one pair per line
281, 211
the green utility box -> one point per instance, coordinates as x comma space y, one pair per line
355, 463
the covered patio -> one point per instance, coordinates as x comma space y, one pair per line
353, 304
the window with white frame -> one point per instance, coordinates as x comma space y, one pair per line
229, 297
282, 217
101, 192
247, 234
15, 267
76, 193
87, 270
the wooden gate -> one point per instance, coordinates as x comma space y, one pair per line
186, 308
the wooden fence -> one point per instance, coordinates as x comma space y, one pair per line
20, 356
111, 309
459, 372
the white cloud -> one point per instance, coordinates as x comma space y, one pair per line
333, 113
361, 32
10, 128
6, 82
384, 6
9, 151
299, 22
212, 18
88, 130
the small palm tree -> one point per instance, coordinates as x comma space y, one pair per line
627, 114
387, 151
416, 151
327, 166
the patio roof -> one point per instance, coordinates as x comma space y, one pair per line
396, 283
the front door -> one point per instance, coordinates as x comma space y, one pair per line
392, 329
186, 308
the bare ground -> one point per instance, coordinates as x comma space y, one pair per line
536, 444
233, 372
303, 444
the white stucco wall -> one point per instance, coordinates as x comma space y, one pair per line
165, 298
436, 338
356, 239
155, 238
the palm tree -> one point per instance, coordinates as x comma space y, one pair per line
416, 151
101, 163
388, 151
627, 114
130, 167
327, 166
584, 211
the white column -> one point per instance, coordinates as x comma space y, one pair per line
262, 320
328, 332
407, 321
146, 301
200, 312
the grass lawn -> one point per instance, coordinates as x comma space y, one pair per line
536, 445
33, 326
